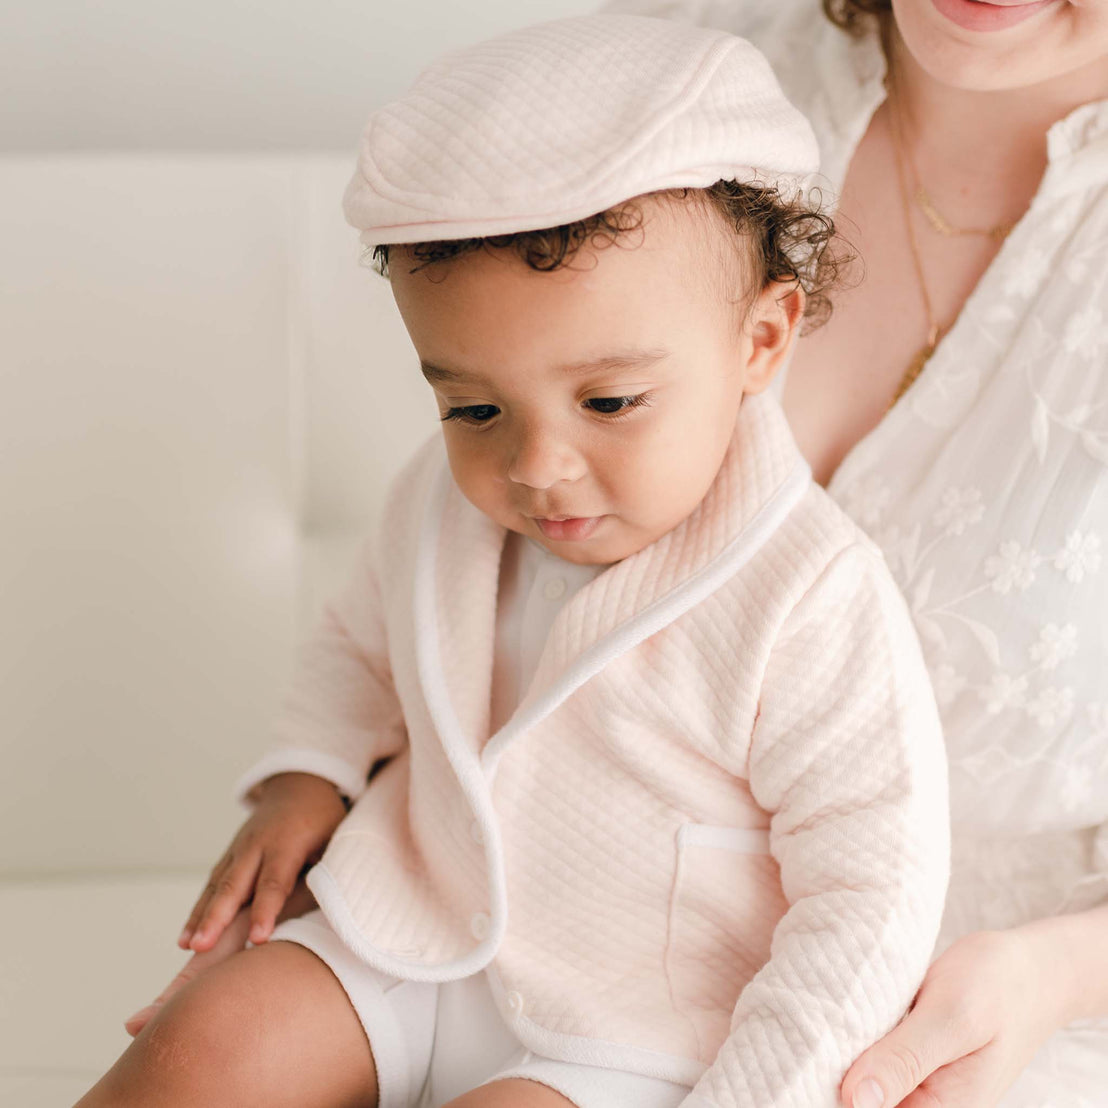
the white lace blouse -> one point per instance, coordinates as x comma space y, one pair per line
987, 487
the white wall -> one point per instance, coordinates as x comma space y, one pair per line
182, 339
202, 394
224, 74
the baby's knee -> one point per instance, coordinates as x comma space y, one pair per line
270, 1026
204, 1026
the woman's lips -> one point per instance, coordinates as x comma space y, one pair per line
568, 530
976, 15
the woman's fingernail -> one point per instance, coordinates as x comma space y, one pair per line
139, 1014
868, 1095
185, 936
257, 933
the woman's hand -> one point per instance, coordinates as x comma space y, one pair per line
294, 817
230, 942
985, 1007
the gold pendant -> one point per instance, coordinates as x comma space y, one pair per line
933, 216
915, 368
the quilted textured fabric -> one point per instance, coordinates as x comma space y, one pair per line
710, 845
560, 121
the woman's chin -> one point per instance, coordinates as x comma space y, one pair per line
1038, 48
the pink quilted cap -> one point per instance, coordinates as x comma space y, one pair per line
560, 121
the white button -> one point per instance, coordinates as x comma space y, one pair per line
515, 1003
555, 588
479, 925
475, 832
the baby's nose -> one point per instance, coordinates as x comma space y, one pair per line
540, 461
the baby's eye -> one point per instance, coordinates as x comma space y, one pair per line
472, 413
615, 405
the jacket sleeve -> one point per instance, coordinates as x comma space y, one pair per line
847, 755
341, 713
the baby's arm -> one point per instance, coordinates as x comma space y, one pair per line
341, 716
848, 755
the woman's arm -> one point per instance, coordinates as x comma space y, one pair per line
1077, 945
985, 1007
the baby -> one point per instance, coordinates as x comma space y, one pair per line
646, 782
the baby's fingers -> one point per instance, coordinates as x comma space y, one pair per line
226, 893
201, 905
278, 875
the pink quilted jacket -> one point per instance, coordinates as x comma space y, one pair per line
711, 844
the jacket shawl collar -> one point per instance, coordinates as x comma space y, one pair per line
456, 577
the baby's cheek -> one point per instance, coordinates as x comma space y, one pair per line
481, 480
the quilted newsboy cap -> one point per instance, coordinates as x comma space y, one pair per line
559, 121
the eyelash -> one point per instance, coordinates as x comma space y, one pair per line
463, 415
627, 405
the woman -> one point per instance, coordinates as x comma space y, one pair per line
969, 142
973, 172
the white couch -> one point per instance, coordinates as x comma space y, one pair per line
203, 395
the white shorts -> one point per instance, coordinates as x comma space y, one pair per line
431, 1043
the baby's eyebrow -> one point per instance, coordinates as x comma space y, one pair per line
435, 373
623, 359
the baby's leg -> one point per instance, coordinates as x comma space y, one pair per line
513, 1092
270, 1026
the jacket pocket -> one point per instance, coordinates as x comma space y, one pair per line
726, 902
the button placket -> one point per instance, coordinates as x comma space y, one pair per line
555, 588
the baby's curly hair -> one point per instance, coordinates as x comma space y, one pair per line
854, 15
794, 242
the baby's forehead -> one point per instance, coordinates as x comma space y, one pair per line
617, 306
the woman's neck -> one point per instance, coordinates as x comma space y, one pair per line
997, 139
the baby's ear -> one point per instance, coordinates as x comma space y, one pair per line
773, 322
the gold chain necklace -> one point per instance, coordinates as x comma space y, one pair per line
926, 205
905, 167
937, 220
915, 367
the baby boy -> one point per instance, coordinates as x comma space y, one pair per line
647, 782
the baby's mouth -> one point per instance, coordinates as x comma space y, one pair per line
568, 528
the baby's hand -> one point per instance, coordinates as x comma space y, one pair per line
295, 816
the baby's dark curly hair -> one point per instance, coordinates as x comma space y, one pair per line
794, 242
854, 15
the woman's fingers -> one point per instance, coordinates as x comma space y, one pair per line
927, 1038
227, 893
230, 942
276, 878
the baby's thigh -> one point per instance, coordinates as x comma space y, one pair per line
270, 1026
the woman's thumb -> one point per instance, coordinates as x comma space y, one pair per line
888, 1071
